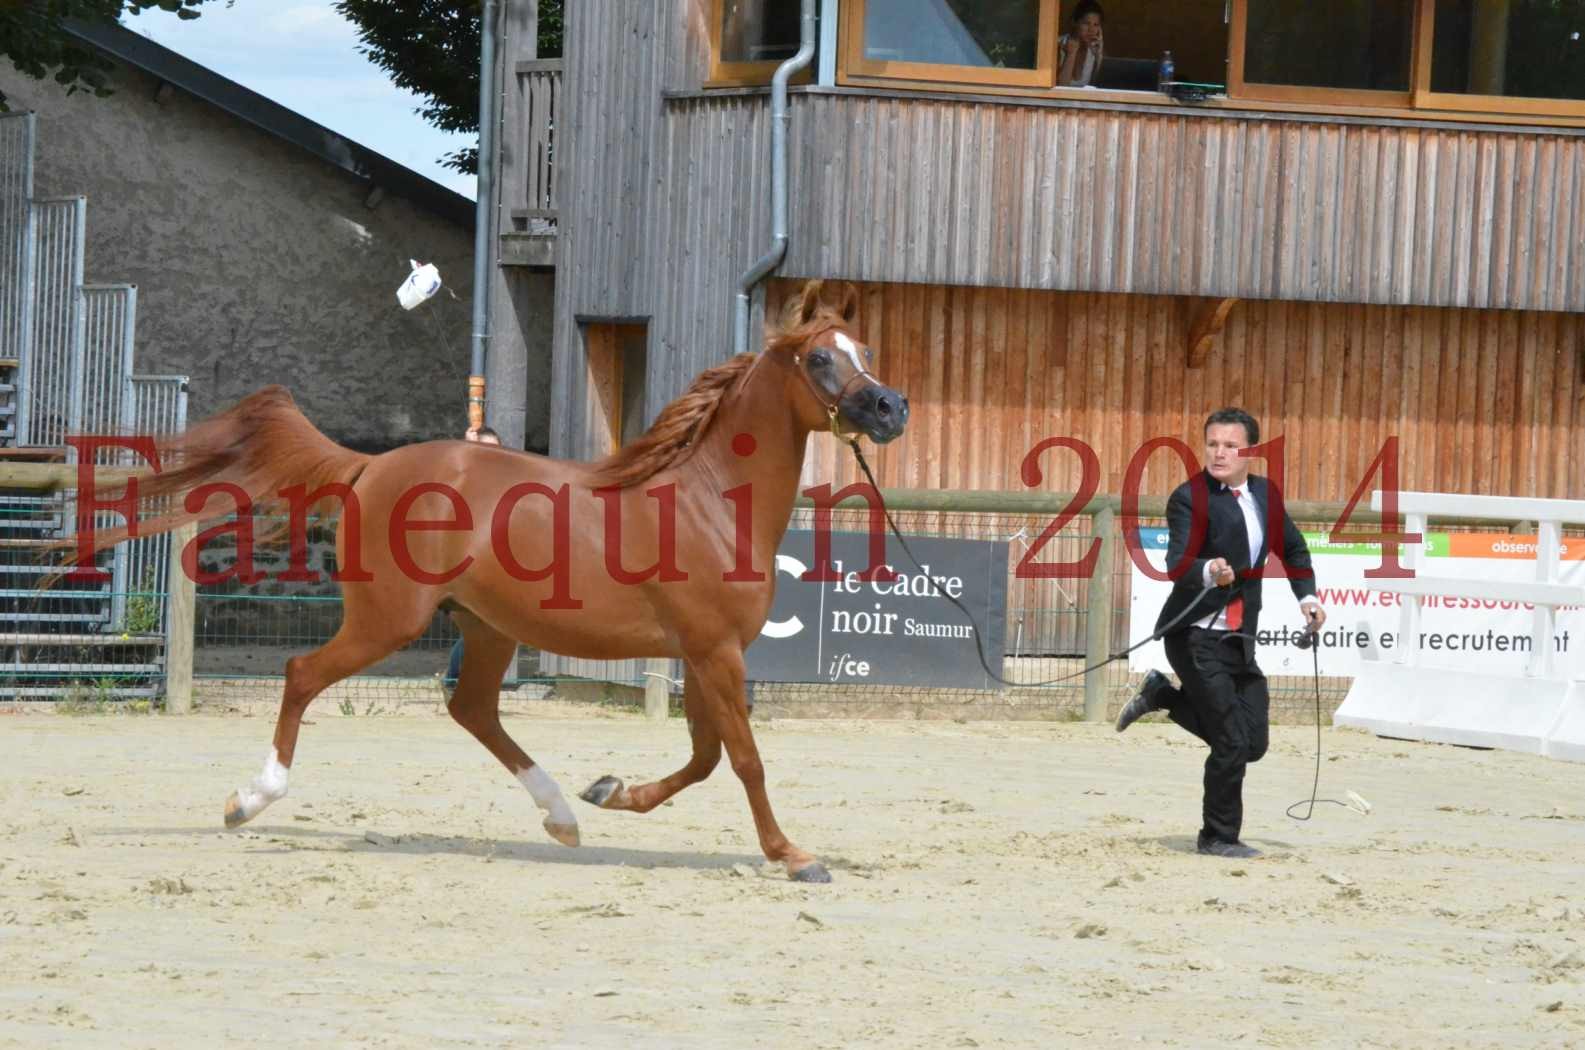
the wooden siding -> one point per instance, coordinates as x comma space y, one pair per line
666, 202
1481, 401
991, 194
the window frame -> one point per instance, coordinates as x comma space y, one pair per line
1419, 101
724, 74
1240, 88
851, 62
1425, 98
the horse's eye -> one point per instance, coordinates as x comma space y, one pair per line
820, 359
869, 355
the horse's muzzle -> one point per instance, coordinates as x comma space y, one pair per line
879, 411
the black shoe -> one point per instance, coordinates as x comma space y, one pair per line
1229, 850
1144, 703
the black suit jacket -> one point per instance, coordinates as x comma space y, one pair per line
1226, 537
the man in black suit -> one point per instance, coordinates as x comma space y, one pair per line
1216, 601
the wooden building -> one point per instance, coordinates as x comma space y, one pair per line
1374, 226
1387, 252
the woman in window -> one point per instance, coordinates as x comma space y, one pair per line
1080, 46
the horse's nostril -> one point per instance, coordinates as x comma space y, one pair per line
883, 406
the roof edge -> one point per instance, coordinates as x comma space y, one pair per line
372, 168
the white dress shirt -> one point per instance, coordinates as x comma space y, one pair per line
1256, 531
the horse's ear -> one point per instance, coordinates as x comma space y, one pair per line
849, 304
809, 301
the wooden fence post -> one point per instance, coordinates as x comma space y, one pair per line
1098, 620
657, 692
180, 622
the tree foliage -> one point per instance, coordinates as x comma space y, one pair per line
431, 48
34, 38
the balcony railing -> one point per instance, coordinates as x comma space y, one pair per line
529, 169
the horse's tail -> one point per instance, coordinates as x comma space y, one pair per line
262, 445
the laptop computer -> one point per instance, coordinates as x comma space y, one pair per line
1126, 74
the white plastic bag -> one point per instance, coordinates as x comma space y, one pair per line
420, 285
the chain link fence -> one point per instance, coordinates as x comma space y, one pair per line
245, 633
99, 642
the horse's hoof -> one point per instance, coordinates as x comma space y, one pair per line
235, 817
812, 872
602, 792
566, 834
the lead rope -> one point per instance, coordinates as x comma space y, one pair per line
979, 645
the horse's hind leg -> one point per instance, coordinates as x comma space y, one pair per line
609, 793
476, 706
350, 651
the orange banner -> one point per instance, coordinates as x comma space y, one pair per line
1506, 545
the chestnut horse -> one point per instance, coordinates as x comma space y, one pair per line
522, 548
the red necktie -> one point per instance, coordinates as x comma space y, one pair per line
1235, 608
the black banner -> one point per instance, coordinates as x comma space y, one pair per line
900, 632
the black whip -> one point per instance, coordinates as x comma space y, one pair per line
1315, 786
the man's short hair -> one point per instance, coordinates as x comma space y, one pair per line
1239, 416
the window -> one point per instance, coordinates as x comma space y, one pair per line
961, 41
1350, 49
750, 38
1493, 56
1014, 45
1523, 55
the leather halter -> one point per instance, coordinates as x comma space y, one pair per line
831, 406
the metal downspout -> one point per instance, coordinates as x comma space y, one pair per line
780, 119
484, 216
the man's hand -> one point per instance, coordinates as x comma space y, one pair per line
1314, 615
1220, 572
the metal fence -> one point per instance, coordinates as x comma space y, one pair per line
156, 404
54, 357
244, 632
102, 400
244, 635
79, 640
16, 241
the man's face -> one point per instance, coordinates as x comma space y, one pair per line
1222, 442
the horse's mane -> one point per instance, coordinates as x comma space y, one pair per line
676, 432
683, 423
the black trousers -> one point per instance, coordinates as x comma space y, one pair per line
1223, 701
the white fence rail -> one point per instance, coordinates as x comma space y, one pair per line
1540, 710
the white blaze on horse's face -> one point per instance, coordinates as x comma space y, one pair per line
849, 347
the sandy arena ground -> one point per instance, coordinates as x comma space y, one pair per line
997, 885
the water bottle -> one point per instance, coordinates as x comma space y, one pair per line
1165, 75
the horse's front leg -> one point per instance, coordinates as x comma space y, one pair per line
721, 687
609, 793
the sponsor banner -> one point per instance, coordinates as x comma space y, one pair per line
1458, 633
900, 632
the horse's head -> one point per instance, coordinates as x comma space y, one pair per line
833, 385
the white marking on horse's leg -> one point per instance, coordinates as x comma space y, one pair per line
269, 786
560, 821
